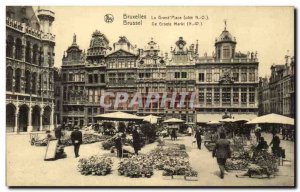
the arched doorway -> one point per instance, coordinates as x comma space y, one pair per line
46, 118
23, 118
10, 117
35, 117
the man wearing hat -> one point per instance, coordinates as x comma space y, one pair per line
76, 137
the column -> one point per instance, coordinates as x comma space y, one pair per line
41, 118
16, 120
31, 54
52, 119
29, 127
14, 50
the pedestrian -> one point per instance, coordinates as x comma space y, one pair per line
257, 132
283, 132
136, 141
76, 137
190, 131
58, 133
198, 138
222, 152
275, 145
262, 144
118, 144
173, 134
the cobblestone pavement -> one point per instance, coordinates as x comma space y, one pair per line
25, 167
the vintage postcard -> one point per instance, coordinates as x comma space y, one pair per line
150, 96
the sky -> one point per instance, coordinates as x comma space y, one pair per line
267, 30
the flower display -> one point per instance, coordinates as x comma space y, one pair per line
136, 166
95, 165
86, 139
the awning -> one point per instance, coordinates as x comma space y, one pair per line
118, 116
205, 118
273, 119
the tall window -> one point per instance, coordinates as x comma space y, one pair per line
208, 75
102, 78
216, 95
18, 52
183, 74
28, 52
243, 95
201, 77
235, 95
201, 95
9, 46
226, 95
71, 77
35, 58
9, 79
177, 75
27, 81
226, 52
90, 79
251, 95
219, 52
95, 78
216, 75
252, 74
235, 74
208, 96
18, 80
244, 75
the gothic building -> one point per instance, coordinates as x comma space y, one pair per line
29, 69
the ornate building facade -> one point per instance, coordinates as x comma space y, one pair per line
226, 81
29, 69
73, 86
278, 92
181, 79
121, 74
151, 78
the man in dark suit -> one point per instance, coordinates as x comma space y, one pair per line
222, 152
76, 137
198, 137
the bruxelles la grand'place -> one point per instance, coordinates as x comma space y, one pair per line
209, 102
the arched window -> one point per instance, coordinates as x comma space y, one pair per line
45, 78
34, 83
18, 80
40, 84
9, 46
35, 57
9, 79
28, 52
27, 81
18, 52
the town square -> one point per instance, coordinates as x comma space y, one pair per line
205, 101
